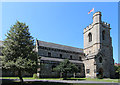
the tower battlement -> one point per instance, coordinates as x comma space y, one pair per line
88, 27
97, 20
105, 24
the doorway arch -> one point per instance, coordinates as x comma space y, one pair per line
100, 72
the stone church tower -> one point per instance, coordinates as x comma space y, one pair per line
98, 49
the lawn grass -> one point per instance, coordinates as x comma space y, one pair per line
103, 80
16, 77
96, 79
32, 78
86, 79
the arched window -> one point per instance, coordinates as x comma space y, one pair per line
80, 59
80, 70
60, 55
88, 71
49, 54
90, 37
103, 34
100, 59
70, 56
53, 68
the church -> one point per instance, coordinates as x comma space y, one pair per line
95, 59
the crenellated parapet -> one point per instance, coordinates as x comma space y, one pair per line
88, 27
105, 24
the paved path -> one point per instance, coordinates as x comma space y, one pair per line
73, 81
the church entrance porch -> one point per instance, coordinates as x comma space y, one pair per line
100, 73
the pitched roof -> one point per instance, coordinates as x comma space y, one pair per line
58, 46
117, 64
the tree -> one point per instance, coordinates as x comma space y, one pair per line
66, 67
19, 50
117, 71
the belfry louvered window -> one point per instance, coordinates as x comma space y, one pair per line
100, 60
90, 37
60, 55
103, 34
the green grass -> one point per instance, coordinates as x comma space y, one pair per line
103, 80
16, 77
32, 78
86, 79
96, 79
44, 78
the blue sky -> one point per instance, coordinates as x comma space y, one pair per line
60, 22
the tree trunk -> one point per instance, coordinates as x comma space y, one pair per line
74, 74
20, 76
61, 74
65, 75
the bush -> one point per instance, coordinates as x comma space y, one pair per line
35, 76
100, 77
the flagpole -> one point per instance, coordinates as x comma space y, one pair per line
92, 10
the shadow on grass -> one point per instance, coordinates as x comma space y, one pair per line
43, 83
7, 80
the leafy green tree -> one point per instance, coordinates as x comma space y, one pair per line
117, 71
66, 67
19, 50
